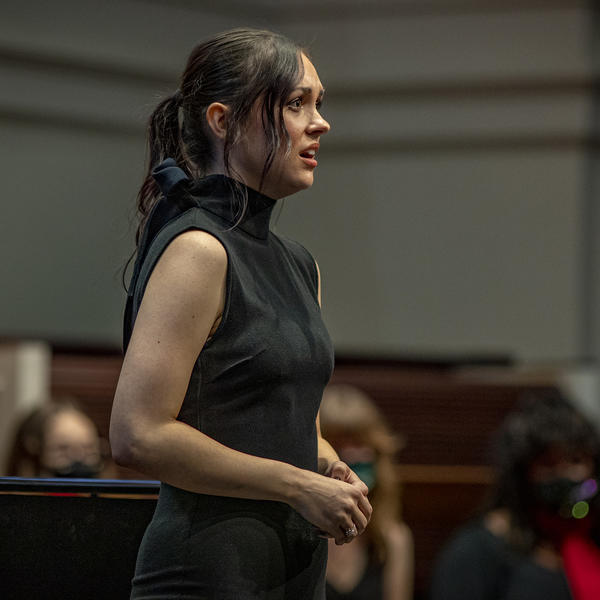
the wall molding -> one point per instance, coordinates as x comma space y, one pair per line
72, 123
321, 10
459, 145
340, 147
24, 60
28, 60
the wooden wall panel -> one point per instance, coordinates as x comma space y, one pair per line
433, 510
447, 420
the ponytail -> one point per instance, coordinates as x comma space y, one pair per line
164, 140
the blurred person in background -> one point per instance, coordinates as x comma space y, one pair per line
538, 538
379, 565
58, 439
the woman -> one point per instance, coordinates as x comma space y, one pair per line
224, 370
380, 564
57, 439
538, 538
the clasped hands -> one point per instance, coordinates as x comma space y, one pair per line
358, 518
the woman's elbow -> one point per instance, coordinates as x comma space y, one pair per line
126, 444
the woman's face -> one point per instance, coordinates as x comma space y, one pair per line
557, 464
70, 438
292, 170
561, 485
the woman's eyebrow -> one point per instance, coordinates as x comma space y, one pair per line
308, 90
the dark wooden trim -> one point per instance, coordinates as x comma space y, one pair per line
445, 474
431, 362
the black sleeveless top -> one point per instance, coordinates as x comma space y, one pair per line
256, 387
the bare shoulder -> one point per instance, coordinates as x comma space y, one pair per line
194, 244
183, 299
192, 255
186, 290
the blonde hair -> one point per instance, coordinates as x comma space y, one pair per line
348, 411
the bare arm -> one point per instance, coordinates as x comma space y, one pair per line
182, 302
398, 573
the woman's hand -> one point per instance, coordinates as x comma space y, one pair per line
340, 470
333, 505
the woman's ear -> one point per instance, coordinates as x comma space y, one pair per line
216, 117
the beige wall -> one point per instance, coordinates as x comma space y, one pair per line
452, 208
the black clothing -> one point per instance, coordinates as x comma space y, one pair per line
477, 565
256, 387
369, 587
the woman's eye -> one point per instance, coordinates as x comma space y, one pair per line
296, 103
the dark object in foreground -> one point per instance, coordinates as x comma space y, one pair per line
71, 538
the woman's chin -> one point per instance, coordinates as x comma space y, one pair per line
304, 182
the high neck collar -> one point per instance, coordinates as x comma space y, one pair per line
219, 195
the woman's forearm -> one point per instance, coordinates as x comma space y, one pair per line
182, 456
186, 458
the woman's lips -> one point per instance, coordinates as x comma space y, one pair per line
311, 162
308, 156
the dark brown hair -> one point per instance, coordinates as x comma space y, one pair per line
237, 68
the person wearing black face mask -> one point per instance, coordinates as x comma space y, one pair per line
57, 439
538, 537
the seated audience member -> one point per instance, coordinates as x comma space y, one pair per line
379, 564
56, 439
538, 538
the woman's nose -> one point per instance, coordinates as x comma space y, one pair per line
319, 125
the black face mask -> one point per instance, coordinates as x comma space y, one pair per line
77, 470
562, 494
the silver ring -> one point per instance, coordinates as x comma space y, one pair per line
351, 532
